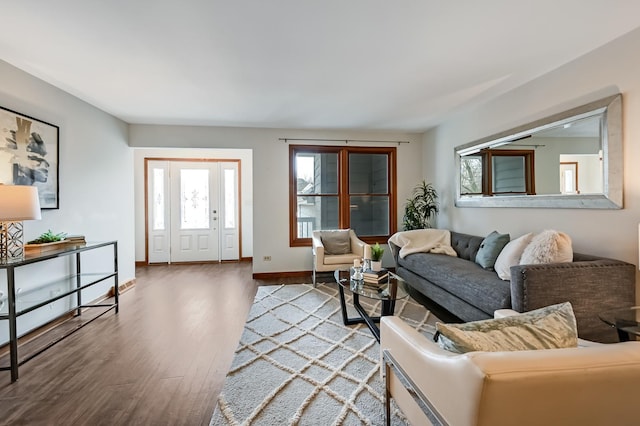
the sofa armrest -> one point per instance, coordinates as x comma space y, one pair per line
591, 287
316, 246
357, 245
504, 313
395, 252
450, 383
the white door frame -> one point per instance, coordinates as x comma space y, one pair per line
571, 166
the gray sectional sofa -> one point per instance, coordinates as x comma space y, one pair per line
469, 292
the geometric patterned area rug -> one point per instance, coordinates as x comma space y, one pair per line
297, 364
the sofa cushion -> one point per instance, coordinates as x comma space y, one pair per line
340, 259
510, 256
550, 327
336, 242
462, 278
490, 248
466, 245
548, 246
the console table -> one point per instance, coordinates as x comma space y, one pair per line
13, 305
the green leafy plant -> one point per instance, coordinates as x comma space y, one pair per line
376, 252
48, 237
421, 207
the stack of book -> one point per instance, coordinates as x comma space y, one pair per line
375, 277
75, 239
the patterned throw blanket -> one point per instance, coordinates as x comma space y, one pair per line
423, 241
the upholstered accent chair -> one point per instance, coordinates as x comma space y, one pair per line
335, 249
592, 384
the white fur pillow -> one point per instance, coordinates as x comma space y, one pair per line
510, 256
548, 246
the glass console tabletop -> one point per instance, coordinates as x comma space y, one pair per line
625, 320
387, 291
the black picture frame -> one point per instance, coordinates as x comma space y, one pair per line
29, 152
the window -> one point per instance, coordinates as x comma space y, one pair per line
471, 174
229, 178
158, 199
194, 199
342, 187
498, 172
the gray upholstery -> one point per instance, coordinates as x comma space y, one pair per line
459, 285
465, 279
466, 245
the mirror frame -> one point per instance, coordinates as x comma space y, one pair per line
611, 145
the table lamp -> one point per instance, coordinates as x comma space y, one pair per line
17, 203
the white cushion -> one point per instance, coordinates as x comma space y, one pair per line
548, 246
340, 259
510, 256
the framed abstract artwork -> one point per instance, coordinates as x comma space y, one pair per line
29, 155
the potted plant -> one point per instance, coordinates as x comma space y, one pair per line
376, 256
421, 207
45, 242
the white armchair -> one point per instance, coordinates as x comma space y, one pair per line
324, 262
594, 385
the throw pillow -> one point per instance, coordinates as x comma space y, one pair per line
510, 256
550, 327
490, 249
548, 246
336, 242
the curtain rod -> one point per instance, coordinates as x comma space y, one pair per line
527, 145
346, 141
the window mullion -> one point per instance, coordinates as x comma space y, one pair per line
343, 196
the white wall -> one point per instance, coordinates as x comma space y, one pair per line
96, 170
246, 191
612, 68
271, 177
547, 162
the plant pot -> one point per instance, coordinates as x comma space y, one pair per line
41, 248
376, 265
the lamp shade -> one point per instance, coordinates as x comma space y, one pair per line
19, 202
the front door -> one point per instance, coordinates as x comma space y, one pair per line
193, 211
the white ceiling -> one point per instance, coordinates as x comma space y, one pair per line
338, 64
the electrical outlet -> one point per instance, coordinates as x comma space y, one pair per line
266, 259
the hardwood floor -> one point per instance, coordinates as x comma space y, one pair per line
161, 361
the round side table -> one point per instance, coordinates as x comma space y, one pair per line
626, 321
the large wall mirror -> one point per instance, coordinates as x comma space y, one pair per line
569, 160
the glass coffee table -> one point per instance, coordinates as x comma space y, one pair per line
625, 320
387, 292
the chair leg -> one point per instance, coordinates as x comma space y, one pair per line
313, 268
387, 394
